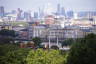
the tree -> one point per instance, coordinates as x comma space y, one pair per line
7, 36
4, 49
40, 56
54, 47
83, 51
37, 41
12, 54
17, 57
5, 32
67, 42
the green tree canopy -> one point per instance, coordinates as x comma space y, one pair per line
55, 47
4, 49
12, 54
37, 41
67, 42
7, 36
6, 32
45, 57
83, 51
17, 56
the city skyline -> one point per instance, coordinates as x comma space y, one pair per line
34, 5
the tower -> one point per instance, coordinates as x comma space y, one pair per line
63, 11
40, 13
36, 15
2, 13
19, 11
58, 9
70, 14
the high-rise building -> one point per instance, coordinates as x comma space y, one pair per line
40, 13
13, 12
27, 16
2, 13
19, 11
70, 14
87, 14
58, 9
63, 11
36, 15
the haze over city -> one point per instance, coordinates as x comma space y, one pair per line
47, 31
33, 5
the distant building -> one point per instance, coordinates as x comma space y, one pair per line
58, 9
63, 34
36, 15
2, 12
86, 14
6, 26
19, 14
23, 34
49, 19
63, 12
37, 30
94, 29
70, 14
41, 13
27, 16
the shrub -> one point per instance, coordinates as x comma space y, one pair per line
83, 52
17, 56
54, 47
45, 57
12, 54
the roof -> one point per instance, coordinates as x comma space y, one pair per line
24, 30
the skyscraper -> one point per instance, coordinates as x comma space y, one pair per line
70, 14
27, 16
40, 13
63, 11
58, 9
2, 13
36, 15
19, 11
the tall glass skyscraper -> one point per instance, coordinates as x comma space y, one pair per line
2, 13
58, 9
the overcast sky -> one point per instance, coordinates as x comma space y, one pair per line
33, 5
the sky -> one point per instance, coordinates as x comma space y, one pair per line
33, 5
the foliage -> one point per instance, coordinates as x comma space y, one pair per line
7, 36
84, 51
5, 32
54, 47
37, 41
17, 56
12, 54
4, 49
67, 42
6, 40
45, 57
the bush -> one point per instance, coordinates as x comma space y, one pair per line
54, 47
67, 42
84, 51
45, 57
12, 54
17, 56
4, 49
37, 41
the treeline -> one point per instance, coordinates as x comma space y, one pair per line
83, 51
12, 54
